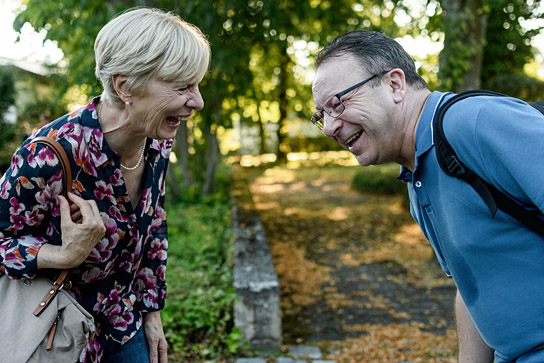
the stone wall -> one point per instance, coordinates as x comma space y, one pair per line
257, 311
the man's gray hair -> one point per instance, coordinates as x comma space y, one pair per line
376, 53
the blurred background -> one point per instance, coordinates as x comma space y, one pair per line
258, 91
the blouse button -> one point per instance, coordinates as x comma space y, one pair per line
418, 184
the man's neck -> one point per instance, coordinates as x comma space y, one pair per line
413, 114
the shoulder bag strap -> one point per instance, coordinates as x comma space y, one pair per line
67, 186
63, 160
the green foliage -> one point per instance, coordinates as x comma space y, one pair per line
237, 30
198, 314
7, 99
310, 144
378, 179
518, 85
464, 30
7, 89
38, 102
508, 47
73, 24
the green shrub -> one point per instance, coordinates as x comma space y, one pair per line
309, 144
198, 314
378, 179
518, 85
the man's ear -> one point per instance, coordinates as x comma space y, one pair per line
397, 84
120, 86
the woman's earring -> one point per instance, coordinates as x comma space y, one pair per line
127, 103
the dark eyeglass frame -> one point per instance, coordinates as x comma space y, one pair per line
317, 117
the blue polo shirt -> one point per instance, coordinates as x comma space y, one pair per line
496, 263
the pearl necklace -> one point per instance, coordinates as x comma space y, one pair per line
141, 154
139, 160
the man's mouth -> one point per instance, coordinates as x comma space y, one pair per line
353, 138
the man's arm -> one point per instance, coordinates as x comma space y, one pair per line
472, 347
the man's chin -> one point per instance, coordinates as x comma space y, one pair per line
363, 161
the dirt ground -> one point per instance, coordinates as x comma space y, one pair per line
357, 277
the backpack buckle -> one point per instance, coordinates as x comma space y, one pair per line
455, 168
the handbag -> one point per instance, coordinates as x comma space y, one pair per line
39, 320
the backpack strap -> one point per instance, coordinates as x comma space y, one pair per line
539, 106
449, 162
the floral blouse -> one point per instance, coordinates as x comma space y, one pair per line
124, 274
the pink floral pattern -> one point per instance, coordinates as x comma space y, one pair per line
124, 274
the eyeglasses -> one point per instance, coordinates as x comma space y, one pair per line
334, 106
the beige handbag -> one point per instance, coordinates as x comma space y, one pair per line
39, 320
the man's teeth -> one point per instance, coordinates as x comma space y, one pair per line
352, 139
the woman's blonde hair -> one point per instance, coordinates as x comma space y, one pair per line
143, 43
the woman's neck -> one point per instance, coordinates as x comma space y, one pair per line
116, 128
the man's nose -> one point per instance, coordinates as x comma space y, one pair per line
331, 125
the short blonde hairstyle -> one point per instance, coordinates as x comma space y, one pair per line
145, 43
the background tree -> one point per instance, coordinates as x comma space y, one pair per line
487, 46
508, 49
465, 24
256, 76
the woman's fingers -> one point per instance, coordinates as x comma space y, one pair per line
75, 213
88, 209
82, 228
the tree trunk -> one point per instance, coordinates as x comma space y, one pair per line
182, 151
213, 162
213, 155
262, 136
176, 190
465, 23
284, 76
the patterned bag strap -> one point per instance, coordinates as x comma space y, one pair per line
67, 186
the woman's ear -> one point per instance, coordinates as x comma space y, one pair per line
120, 86
397, 83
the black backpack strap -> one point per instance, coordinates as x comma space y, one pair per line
539, 106
447, 158
451, 165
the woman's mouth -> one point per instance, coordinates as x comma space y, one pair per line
353, 138
174, 121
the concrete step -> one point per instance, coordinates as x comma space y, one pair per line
296, 354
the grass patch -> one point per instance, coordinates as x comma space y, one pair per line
197, 318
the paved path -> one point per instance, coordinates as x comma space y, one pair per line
347, 262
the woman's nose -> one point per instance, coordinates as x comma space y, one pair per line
196, 101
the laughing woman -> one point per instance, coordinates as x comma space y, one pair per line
111, 231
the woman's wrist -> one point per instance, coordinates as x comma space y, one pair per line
51, 256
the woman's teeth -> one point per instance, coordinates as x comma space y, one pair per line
352, 139
172, 120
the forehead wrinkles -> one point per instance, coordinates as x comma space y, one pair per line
324, 85
335, 75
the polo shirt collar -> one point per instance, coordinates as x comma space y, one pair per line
424, 132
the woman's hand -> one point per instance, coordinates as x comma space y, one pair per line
154, 334
82, 228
